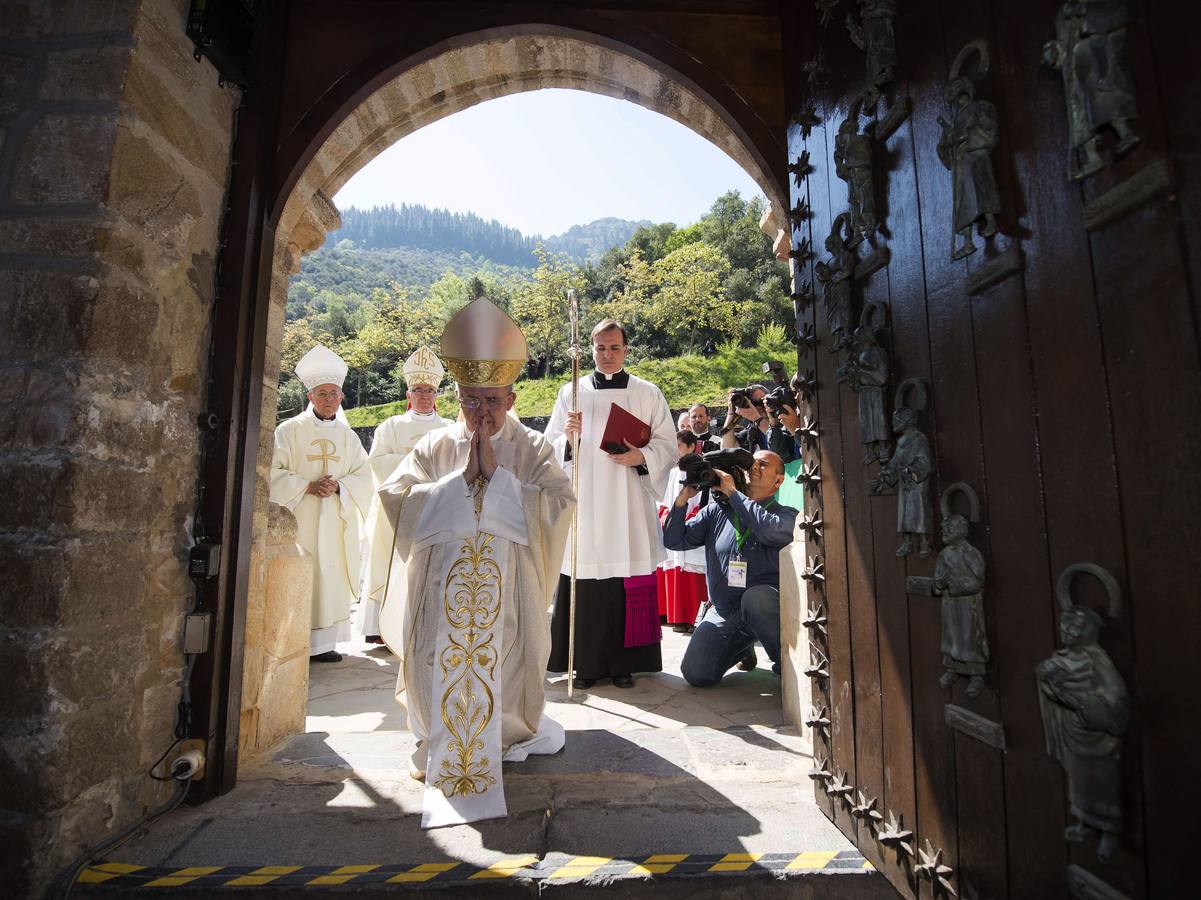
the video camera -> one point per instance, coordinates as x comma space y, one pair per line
700, 472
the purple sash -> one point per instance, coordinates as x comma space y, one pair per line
642, 611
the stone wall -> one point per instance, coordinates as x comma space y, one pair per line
276, 668
114, 153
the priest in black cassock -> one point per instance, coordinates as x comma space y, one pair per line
617, 609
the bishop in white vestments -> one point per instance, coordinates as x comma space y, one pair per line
319, 471
617, 609
394, 438
481, 511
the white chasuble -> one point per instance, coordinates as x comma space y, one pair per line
465, 610
329, 528
394, 439
619, 509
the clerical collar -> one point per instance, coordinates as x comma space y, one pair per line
618, 380
320, 418
428, 415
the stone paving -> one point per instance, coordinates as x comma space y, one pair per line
356, 695
662, 768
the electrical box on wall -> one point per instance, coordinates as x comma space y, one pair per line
223, 30
196, 633
204, 560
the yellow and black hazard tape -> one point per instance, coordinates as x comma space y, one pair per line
556, 866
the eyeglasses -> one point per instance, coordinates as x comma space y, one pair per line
326, 395
422, 390
474, 403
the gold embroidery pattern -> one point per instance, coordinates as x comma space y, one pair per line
325, 454
485, 372
471, 597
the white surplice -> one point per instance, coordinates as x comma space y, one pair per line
394, 438
687, 560
329, 528
465, 610
619, 522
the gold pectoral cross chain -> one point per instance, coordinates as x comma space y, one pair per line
326, 456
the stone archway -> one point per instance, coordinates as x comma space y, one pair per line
275, 659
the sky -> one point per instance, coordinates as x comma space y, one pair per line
542, 161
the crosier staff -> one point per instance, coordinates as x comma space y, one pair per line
575, 352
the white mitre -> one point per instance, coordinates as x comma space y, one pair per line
321, 365
423, 367
483, 346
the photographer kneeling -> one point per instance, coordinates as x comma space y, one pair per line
742, 534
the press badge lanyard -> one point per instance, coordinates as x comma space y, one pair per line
737, 576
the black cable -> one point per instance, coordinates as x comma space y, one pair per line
66, 881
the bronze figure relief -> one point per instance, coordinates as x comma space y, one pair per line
908, 470
1086, 710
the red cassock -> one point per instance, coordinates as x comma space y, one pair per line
681, 577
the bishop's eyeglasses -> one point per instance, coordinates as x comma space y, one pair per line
474, 403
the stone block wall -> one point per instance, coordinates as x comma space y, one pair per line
794, 638
114, 156
276, 663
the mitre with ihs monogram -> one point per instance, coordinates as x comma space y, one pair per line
483, 347
423, 367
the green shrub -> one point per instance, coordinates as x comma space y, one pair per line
684, 380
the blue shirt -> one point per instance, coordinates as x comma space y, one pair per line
769, 527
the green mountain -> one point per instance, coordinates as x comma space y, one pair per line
588, 243
413, 246
393, 227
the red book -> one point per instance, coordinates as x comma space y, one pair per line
624, 425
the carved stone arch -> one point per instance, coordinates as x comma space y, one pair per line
488, 65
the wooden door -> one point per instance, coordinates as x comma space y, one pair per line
1064, 388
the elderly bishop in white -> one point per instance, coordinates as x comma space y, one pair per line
481, 511
394, 439
320, 472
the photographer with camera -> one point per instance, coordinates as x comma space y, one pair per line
782, 421
742, 534
746, 405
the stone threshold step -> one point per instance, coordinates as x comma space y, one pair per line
838, 875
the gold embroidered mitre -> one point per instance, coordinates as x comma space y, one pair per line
483, 346
423, 367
